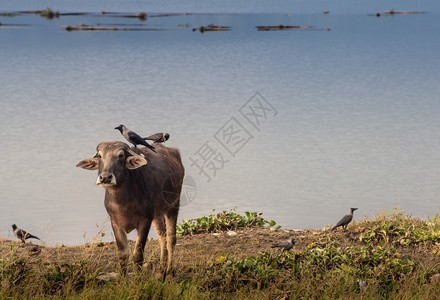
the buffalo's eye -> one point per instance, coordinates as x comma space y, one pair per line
121, 155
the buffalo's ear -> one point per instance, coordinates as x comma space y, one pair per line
135, 161
89, 164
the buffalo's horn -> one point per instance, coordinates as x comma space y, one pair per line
132, 152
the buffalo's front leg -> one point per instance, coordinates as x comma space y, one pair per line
142, 235
122, 243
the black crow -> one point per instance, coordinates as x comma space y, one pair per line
345, 220
22, 235
286, 245
133, 137
160, 137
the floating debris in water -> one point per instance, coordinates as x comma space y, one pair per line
83, 27
49, 14
141, 16
212, 27
392, 12
109, 13
10, 26
120, 24
281, 27
10, 14
375, 15
171, 15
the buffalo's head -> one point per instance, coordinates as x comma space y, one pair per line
112, 160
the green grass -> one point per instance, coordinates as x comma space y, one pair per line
391, 256
397, 228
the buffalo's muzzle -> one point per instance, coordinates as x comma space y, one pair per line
106, 179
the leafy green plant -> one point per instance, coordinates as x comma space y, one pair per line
225, 220
400, 229
366, 264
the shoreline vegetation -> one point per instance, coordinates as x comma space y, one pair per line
227, 255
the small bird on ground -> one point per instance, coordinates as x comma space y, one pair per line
286, 245
133, 137
345, 219
160, 137
22, 235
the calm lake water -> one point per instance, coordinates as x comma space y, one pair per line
346, 117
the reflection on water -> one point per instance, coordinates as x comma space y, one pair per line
356, 122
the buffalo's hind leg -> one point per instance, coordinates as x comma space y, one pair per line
171, 222
159, 225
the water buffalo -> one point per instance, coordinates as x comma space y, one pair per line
141, 187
